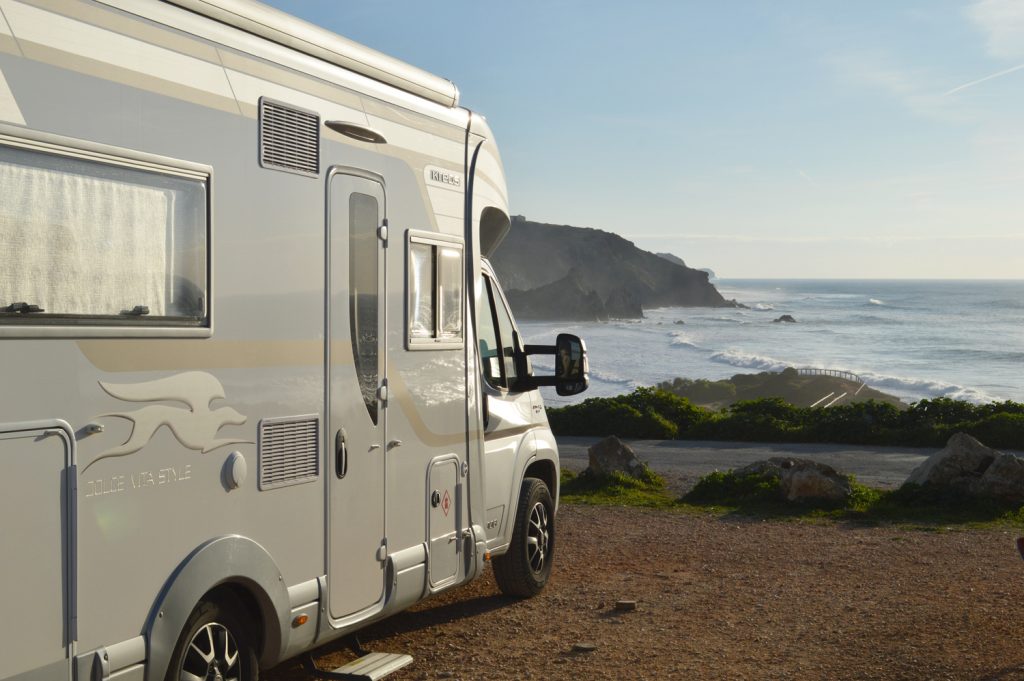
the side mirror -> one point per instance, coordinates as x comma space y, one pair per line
572, 370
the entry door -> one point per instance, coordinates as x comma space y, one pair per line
356, 414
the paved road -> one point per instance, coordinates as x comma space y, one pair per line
885, 467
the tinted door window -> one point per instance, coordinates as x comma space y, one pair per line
363, 222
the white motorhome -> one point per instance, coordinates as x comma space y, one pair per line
259, 385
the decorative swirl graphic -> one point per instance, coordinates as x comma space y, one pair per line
195, 427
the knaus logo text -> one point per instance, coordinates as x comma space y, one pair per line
444, 177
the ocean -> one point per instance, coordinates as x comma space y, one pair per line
912, 339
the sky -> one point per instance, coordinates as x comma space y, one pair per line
777, 138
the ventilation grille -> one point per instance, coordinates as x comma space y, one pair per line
289, 452
289, 138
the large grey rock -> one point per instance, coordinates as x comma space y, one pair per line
611, 454
802, 479
1003, 480
959, 465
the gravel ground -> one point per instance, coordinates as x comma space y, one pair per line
727, 598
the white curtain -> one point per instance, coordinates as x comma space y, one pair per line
73, 244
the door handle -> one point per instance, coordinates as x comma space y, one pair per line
340, 454
393, 444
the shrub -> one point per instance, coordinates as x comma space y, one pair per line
765, 420
1000, 430
610, 416
728, 489
655, 413
674, 409
868, 422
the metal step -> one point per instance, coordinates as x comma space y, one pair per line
367, 668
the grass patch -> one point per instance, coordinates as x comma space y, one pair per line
758, 496
617, 489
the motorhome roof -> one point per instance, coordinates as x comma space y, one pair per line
285, 29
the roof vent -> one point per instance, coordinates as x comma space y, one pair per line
289, 138
288, 451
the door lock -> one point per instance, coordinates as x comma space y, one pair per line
435, 498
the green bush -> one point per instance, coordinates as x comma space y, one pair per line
610, 416
1001, 430
679, 411
766, 420
868, 422
655, 413
728, 489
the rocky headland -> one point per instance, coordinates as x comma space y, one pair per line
560, 272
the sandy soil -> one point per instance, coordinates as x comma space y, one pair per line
728, 598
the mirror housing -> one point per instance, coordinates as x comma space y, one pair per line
572, 369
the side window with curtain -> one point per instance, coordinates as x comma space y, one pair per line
434, 281
91, 239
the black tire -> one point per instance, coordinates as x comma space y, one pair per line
525, 568
222, 640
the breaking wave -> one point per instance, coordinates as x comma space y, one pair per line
875, 301
922, 388
763, 306
746, 360
608, 377
683, 340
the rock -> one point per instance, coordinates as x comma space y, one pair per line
785, 318
623, 304
679, 322
585, 647
959, 465
570, 298
802, 479
672, 258
1003, 480
610, 454
625, 606
534, 255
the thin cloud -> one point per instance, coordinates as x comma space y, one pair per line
1002, 22
1000, 74
913, 89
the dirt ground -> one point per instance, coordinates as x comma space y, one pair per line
727, 598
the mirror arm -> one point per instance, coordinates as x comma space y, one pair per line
539, 349
539, 381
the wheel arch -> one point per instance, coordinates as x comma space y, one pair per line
544, 470
232, 565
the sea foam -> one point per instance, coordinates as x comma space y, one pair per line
923, 386
683, 340
745, 360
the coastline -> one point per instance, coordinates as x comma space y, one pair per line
915, 339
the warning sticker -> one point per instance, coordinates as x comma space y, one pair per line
446, 503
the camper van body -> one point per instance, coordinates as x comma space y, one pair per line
243, 260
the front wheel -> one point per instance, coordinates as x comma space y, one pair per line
215, 646
525, 568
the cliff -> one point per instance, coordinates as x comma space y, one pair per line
578, 273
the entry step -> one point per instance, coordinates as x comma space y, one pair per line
367, 668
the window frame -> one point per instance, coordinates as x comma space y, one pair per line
437, 341
496, 297
102, 326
